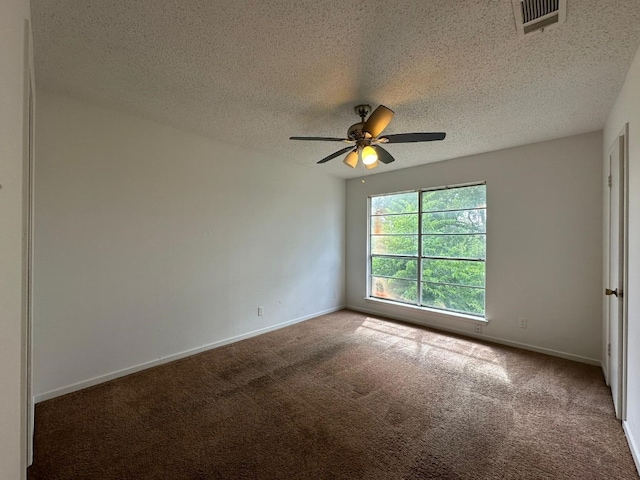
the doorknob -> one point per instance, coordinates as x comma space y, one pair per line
608, 291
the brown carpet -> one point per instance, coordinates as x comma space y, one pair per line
342, 396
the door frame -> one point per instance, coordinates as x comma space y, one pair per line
624, 184
28, 198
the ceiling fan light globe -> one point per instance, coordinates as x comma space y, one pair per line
369, 156
351, 159
372, 165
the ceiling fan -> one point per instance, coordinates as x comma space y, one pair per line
365, 141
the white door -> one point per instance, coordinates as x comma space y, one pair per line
615, 289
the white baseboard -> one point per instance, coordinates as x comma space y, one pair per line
176, 356
633, 446
501, 341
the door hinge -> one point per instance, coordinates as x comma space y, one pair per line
609, 180
609, 349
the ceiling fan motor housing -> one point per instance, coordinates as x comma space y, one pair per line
355, 131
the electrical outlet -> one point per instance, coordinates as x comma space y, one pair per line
522, 322
478, 328
260, 311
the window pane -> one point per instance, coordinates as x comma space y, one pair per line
460, 299
394, 224
453, 271
440, 226
394, 245
395, 267
465, 221
398, 203
456, 246
394, 289
454, 198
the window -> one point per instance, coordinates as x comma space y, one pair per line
428, 248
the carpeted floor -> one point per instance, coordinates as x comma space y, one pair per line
342, 396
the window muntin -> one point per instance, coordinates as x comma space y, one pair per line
448, 226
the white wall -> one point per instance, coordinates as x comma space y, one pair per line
13, 14
151, 242
627, 109
544, 242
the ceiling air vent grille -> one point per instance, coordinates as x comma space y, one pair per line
536, 15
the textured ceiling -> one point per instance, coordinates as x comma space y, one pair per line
254, 72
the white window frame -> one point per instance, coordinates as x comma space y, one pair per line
419, 257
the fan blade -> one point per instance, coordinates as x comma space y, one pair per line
336, 154
415, 137
378, 121
383, 155
321, 139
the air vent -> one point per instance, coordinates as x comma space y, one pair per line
535, 15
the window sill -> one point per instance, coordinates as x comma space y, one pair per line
432, 311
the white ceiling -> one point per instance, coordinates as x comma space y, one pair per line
255, 72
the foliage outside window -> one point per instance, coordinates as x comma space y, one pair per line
428, 248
